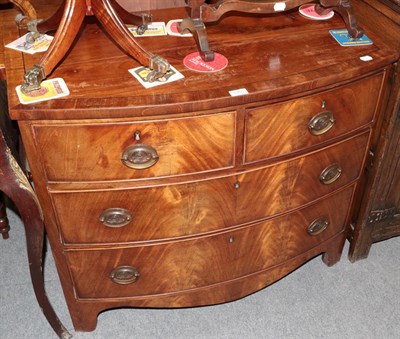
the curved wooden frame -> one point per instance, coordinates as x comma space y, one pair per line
26, 8
68, 20
200, 13
16, 186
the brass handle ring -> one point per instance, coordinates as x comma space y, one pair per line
124, 275
330, 174
139, 156
115, 217
318, 226
321, 123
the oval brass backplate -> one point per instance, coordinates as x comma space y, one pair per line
318, 226
321, 123
139, 156
115, 217
330, 174
124, 275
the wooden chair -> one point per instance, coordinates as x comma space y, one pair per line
15, 185
4, 224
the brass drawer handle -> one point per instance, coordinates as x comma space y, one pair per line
321, 123
318, 226
124, 275
330, 174
115, 217
139, 156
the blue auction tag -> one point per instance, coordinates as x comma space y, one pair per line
343, 37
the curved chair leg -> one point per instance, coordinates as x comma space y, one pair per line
196, 26
344, 9
73, 15
26, 8
112, 23
140, 20
16, 186
71, 21
37, 27
28, 13
53, 22
4, 225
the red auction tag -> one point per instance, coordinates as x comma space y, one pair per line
308, 11
196, 63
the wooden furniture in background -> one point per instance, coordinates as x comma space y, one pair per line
202, 12
183, 194
67, 21
4, 224
26, 7
148, 5
379, 218
15, 185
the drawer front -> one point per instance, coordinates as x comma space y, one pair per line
193, 208
136, 150
298, 124
182, 265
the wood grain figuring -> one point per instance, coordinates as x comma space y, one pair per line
82, 152
86, 320
96, 71
206, 206
179, 266
225, 210
269, 128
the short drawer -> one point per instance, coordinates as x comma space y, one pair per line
163, 212
117, 151
181, 265
298, 124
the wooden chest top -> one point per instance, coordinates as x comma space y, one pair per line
273, 57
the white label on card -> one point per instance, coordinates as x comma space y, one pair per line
153, 29
40, 44
237, 92
49, 89
366, 58
279, 6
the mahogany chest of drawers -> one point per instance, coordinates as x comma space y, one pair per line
183, 195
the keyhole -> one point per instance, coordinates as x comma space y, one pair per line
137, 135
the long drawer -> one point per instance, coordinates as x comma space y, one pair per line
202, 261
118, 151
298, 124
141, 214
